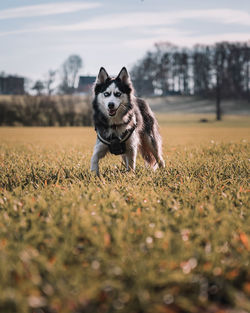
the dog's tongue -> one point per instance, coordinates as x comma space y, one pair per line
112, 112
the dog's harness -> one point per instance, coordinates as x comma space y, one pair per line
116, 144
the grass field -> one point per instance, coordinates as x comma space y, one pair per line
171, 241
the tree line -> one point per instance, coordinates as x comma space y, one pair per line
217, 71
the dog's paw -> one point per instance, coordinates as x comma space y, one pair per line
95, 173
161, 163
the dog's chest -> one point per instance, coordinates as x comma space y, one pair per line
116, 131
118, 127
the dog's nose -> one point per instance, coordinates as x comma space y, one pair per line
111, 105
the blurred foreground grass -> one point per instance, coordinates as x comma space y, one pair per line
174, 240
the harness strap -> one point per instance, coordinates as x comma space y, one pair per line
130, 132
102, 139
125, 138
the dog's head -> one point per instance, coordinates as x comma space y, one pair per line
113, 94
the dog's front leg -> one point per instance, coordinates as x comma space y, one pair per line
125, 160
100, 151
131, 158
131, 153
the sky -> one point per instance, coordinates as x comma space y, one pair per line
38, 35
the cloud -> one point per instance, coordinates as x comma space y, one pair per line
137, 20
185, 39
46, 9
142, 19
224, 16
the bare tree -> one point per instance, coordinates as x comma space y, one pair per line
38, 87
201, 65
143, 75
49, 81
70, 69
246, 56
162, 70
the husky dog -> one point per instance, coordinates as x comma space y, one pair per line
124, 123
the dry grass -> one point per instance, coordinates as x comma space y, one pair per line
176, 240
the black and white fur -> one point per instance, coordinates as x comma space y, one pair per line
116, 110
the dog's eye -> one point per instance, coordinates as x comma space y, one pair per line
106, 94
117, 94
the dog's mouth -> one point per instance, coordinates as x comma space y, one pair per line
112, 112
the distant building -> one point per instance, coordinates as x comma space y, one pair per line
11, 85
85, 84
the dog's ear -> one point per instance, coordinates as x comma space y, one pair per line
124, 76
102, 76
